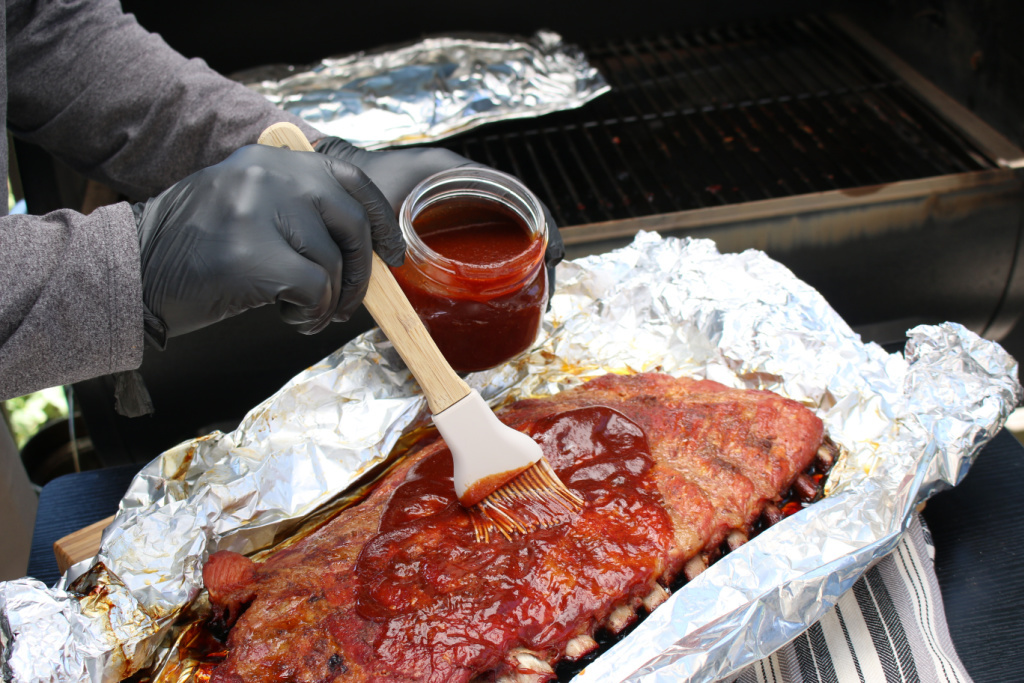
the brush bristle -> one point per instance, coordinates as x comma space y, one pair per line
534, 499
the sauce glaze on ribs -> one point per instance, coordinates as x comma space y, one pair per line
397, 589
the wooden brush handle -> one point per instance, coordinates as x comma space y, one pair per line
391, 309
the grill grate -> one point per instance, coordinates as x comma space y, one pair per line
723, 116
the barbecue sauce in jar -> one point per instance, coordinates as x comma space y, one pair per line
474, 269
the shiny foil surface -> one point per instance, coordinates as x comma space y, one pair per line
433, 88
910, 424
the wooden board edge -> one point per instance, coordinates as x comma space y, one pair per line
79, 545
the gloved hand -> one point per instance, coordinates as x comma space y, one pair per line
397, 171
266, 225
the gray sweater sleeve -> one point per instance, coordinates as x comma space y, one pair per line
115, 102
70, 298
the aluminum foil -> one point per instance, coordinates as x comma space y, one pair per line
433, 88
910, 424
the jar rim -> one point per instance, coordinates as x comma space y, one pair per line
481, 182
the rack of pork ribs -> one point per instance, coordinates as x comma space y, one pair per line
674, 472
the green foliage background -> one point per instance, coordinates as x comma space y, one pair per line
26, 414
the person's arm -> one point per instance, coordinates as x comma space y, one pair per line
87, 83
264, 226
70, 298
116, 103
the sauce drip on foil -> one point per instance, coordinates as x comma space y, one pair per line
448, 603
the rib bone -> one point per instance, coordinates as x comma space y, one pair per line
772, 514
735, 539
580, 646
657, 596
827, 454
621, 617
528, 668
694, 567
805, 487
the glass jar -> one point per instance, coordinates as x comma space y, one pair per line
474, 269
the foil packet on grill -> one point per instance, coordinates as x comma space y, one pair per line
910, 423
431, 89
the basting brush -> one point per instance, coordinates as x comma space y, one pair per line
500, 474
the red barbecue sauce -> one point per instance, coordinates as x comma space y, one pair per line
483, 302
485, 486
445, 605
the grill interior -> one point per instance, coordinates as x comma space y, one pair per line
800, 136
712, 117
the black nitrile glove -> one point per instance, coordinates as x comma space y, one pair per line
397, 171
266, 225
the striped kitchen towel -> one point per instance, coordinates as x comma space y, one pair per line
890, 627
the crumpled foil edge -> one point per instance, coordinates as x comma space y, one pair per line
911, 424
433, 88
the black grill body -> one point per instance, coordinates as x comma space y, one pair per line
799, 136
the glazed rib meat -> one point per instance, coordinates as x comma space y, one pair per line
397, 589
